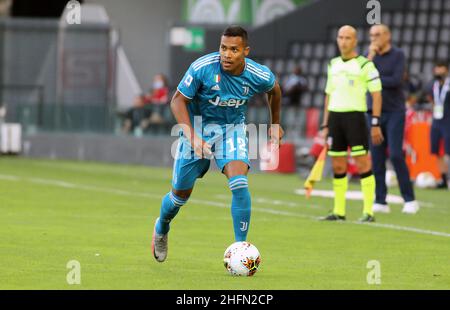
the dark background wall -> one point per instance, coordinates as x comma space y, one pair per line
275, 38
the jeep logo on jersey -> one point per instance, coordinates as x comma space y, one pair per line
228, 103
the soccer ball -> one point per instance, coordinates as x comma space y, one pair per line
425, 180
242, 259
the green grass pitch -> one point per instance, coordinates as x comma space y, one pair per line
52, 212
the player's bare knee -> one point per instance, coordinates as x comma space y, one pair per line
235, 168
339, 165
184, 194
363, 164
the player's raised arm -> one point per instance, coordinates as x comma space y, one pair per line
274, 99
178, 105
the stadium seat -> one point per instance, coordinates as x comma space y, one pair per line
407, 35
428, 69
445, 35
324, 69
331, 50
386, 18
422, 19
413, 4
395, 35
279, 66
289, 117
419, 35
319, 99
315, 67
436, 5
322, 83
424, 5
398, 19
311, 82
432, 35
304, 64
410, 19
435, 19
406, 49
307, 50
295, 50
446, 19
429, 52
414, 68
417, 52
360, 33
290, 65
306, 99
319, 50
442, 52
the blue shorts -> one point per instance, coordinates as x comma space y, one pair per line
187, 168
440, 130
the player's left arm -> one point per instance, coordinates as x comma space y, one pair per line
276, 132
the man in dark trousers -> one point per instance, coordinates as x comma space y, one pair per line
390, 62
439, 95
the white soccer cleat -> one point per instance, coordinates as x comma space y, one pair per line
379, 208
411, 207
159, 245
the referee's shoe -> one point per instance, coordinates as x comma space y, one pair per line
367, 218
332, 217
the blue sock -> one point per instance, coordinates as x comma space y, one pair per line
169, 208
240, 206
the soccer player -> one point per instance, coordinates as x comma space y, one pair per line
390, 63
350, 76
216, 88
439, 94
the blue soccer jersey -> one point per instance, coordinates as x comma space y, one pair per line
219, 97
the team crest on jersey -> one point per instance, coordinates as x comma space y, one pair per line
217, 78
246, 90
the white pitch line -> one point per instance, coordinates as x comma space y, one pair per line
358, 195
9, 178
67, 185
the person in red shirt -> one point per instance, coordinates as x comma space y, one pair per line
146, 108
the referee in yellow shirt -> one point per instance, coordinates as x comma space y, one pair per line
350, 76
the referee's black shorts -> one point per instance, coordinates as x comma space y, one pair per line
347, 129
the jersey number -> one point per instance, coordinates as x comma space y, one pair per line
241, 145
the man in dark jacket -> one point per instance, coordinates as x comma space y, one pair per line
390, 62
